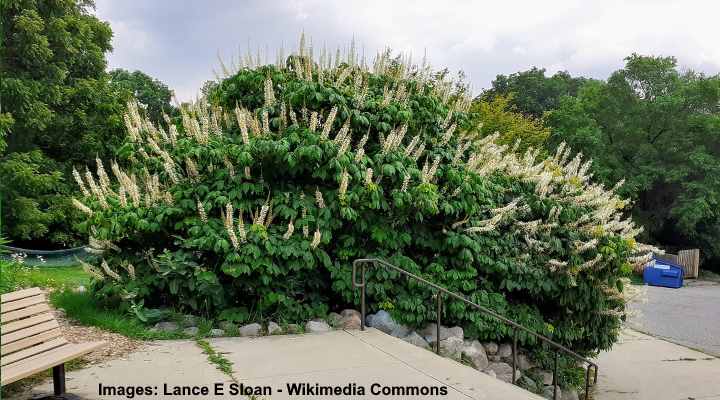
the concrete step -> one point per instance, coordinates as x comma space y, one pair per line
350, 360
363, 358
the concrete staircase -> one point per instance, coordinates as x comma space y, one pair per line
337, 358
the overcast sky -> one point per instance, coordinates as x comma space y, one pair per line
178, 41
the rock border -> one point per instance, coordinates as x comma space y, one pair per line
491, 358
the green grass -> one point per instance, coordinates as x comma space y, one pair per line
65, 276
17, 276
80, 306
86, 309
219, 360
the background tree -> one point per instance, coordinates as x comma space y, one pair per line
32, 204
659, 129
497, 114
154, 95
59, 109
532, 92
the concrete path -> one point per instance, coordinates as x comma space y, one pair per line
689, 316
348, 359
642, 367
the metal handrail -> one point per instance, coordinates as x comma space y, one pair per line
361, 262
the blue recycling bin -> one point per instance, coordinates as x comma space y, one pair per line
663, 273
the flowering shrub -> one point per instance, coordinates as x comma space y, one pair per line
259, 197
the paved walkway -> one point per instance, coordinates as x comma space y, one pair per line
339, 358
689, 316
642, 367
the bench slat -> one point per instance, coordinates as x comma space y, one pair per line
24, 312
26, 302
34, 330
31, 351
27, 322
41, 362
30, 341
20, 294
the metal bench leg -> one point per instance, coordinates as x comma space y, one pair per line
59, 379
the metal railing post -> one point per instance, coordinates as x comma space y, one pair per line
362, 299
440, 291
555, 379
514, 354
595, 369
437, 328
587, 382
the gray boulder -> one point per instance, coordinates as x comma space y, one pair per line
382, 321
217, 332
430, 332
227, 326
400, 331
251, 330
189, 320
503, 371
317, 326
191, 330
457, 332
528, 383
350, 319
350, 313
451, 347
166, 326
417, 340
273, 328
334, 319
491, 373
569, 394
548, 393
504, 351
544, 377
491, 348
523, 362
474, 352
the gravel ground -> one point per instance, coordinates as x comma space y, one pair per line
689, 316
117, 345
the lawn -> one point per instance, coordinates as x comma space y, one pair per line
84, 308
80, 305
17, 276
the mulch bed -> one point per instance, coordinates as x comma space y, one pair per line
117, 345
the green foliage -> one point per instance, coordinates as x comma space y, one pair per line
54, 82
221, 362
34, 198
497, 114
59, 109
659, 129
87, 309
6, 122
17, 275
532, 92
261, 213
154, 95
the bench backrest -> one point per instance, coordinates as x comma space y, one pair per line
28, 326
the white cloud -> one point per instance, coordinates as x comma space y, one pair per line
178, 44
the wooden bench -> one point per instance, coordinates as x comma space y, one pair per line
32, 341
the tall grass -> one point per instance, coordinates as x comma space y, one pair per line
86, 309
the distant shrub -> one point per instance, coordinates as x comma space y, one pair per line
259, 198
